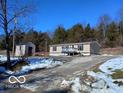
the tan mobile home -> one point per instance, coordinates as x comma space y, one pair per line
83, 48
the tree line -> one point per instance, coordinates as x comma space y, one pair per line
107, 33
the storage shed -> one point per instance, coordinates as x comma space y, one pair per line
25, 49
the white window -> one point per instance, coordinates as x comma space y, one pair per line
72, 46
80, 47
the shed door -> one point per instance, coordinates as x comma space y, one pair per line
30, 51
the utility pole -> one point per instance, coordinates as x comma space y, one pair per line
13, 48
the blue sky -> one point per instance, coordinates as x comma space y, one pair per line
48, 14
51, 13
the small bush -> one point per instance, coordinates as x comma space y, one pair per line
117, 74
18, 65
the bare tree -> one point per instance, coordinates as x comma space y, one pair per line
104, 22
6, 21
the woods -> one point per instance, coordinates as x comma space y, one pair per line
109, 36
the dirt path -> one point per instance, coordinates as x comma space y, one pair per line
47, 79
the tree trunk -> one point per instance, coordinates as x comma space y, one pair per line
4, 10
7, 52
7, 48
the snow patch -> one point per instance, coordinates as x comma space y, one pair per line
110, 87
112, 65
34, 63
40, 63
103, 81
4, 58
31, 87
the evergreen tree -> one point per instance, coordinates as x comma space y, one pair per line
75, 34
88, 34
99, 33
112, 35
59, 35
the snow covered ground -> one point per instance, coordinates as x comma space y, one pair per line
4, 58
38, 63
109, 86
33, 64
107, 69
112, 65
104, 82
101, 81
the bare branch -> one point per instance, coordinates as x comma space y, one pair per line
1, 26
1, 22
10, 32
1, 19
24, 9
1, 15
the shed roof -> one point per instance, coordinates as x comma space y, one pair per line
25, 43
